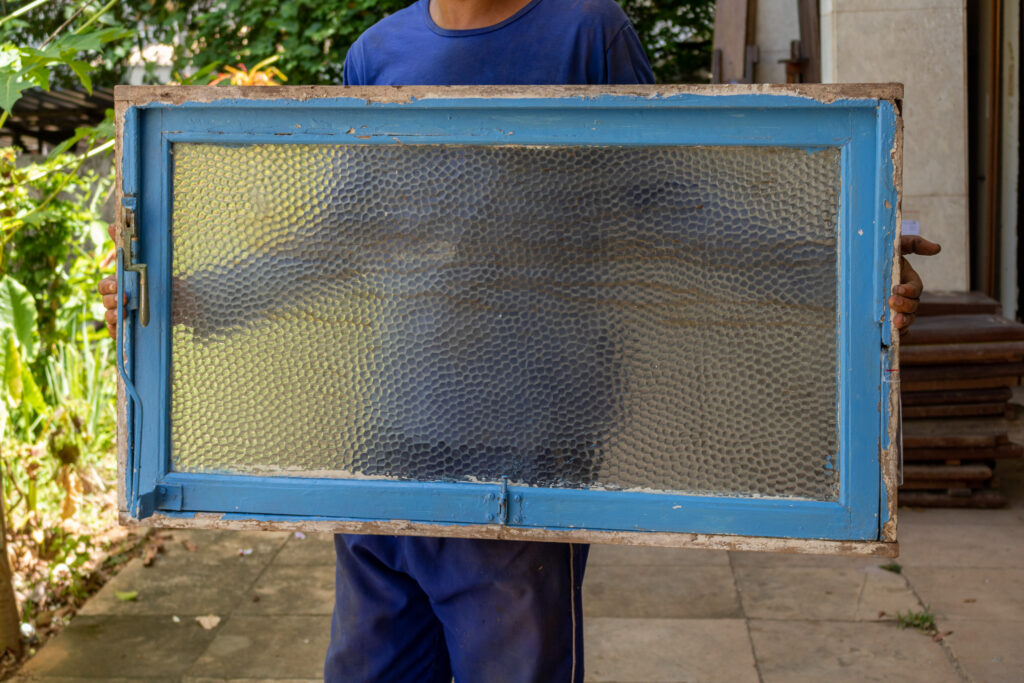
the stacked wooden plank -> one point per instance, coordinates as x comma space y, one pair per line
958, 365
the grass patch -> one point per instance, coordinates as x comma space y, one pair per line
922, 621
894, 567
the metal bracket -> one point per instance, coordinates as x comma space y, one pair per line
163, 497
497, 504
168, 497
515, 508
503, 508
128, 254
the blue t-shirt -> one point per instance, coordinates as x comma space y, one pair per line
548, 42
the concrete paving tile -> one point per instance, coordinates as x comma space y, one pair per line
799, 592
656, 650
947, 517
108, 646
815, 651
756, 559
816, 593
885, 592
660, 592
313, 549
266, 647
214, 546
962, 545
624, 555
958, 593
295, 590
987, 650
183, 590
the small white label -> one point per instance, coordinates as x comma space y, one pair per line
911, 227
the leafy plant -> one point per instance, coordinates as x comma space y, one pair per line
26, 66
56, 413
312, 36
922, 621
48, 224
677, 37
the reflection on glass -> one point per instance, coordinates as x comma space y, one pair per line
660, 318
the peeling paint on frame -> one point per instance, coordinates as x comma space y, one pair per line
886, 96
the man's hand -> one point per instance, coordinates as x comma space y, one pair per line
907, 294
108, 288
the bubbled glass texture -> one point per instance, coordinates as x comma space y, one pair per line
658, 318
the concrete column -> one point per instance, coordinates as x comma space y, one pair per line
777, 25
922, 44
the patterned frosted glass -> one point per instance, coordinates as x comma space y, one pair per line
619, 317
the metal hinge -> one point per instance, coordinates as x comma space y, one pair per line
503, 508
129, 255
168, 497
163, 497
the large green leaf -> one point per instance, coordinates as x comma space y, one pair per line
71, 43
11, 87
12, 369
81, 70
18, 314
30, 392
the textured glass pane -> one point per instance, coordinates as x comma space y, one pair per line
622, 317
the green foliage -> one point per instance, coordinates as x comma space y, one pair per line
312, 36
18, 316
922, 621
49, 38
49, 226
25, 66
57, 374
56, 443
894, 567
57, 421
677, 36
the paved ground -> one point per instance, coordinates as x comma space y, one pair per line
652, 614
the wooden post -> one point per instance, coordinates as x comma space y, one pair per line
810, 42
734, 33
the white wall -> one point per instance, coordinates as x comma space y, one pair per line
922, 44
777, 24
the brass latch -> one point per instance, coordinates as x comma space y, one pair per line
128, 253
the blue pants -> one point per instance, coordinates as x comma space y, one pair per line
424, 609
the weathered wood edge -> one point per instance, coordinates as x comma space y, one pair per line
498, 532
141, 95
127, 96
890, 457
122, 499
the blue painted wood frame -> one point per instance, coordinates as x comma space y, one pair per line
864, 129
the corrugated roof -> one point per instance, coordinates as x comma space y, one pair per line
51, 117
